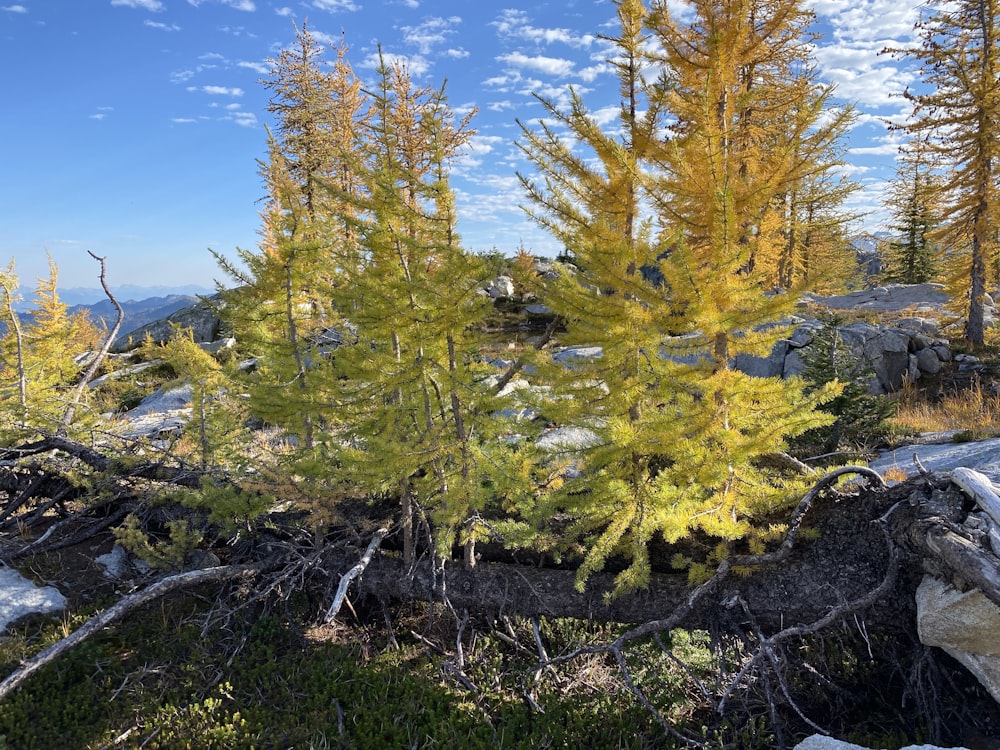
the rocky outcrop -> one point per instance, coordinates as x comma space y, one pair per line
890, 298
903, 352
201, 319
161, 413
944, 455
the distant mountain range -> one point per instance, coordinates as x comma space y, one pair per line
141, 304
137, 312
77, 296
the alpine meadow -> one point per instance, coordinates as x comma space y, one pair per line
419, 496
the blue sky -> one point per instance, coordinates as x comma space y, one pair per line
132, 127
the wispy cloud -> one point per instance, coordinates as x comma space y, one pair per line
334, 5
245, 5
431, 32
218, 90
284, 11
151, 5
257, 67
415, 64
515, 23
161, 26
243, 119
14, 8
553, 66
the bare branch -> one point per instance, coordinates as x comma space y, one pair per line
101, 354
116, 612
358, 569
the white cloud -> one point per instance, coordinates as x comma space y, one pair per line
243, 119
553, 66
256, 67
457, 54
182, 120
514, 23
151, 5
334, 5
161, 26
591, 72
431, 32
885, 149
219, 90
415, 64
413, 4
245, 5
284, 11
14, 8
238, 31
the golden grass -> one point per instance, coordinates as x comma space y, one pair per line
973, 410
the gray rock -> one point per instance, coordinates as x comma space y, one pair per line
538, 309
214, 347
567, 439
890, 298
113, 562
570, 354
927, 326
943, 351
822, 742
771, 366
928, 361
983, 456
795, 364
19, 598
886, 350
501, 287
165, 411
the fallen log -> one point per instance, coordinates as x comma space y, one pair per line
116, 612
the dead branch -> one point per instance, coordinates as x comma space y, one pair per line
354, 572
101, 354
116, 612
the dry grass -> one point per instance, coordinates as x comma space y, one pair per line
975, 410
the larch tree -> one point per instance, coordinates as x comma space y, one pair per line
281, 305
41, 355
412, 418
957, 114
677, 439
913, 200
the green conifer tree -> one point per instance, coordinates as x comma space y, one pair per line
913, 198
281, 305
957, 116
41, 358
413, 421
676, 435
